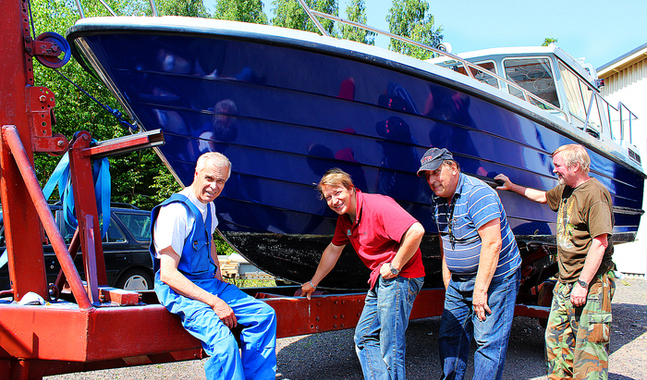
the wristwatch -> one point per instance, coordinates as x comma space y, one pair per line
583, 284
393, 270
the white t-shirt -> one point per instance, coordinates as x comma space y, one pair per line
174, 222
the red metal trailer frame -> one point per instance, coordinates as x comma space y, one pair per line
94, 326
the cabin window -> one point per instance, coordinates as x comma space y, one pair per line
594, 126
533, 75
573, 94
482, 75
579, 96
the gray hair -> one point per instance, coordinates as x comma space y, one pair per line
213, 158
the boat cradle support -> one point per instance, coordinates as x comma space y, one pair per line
39, 341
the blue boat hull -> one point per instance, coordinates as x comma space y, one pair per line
285, 112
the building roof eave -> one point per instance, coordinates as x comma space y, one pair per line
623, 61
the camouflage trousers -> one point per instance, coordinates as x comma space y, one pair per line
577, 338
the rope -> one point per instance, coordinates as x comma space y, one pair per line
31, 20
116, 113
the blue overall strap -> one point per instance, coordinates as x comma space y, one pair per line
154, 214
200, 225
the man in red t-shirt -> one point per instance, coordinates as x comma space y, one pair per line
387, 239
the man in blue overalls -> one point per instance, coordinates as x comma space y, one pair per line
189, 283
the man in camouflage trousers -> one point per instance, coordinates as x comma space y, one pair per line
577, 334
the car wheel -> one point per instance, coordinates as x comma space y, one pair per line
135, 279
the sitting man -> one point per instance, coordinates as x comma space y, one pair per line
189, 283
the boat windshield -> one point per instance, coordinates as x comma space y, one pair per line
533, 75
481, 75
587, 107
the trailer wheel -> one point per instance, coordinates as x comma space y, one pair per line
135, 279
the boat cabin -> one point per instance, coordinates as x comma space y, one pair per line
552, 80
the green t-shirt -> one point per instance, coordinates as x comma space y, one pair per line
583, 213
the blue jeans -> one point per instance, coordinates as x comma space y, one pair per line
256, 359
379, 336
459, 324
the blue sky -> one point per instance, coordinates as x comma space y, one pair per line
598, 30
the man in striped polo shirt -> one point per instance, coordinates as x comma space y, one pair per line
480, 268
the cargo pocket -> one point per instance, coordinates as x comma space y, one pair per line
200, 258
599, 325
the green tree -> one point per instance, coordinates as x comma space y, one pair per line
133, 174
356, 11
549, 41
409, 18
241, 10
289, 14
188, 8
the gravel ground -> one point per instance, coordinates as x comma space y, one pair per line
331, 355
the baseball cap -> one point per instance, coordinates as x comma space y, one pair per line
433, 158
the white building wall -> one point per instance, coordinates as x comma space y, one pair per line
630, 86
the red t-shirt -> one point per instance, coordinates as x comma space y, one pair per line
379, 225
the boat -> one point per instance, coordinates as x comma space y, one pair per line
286, 105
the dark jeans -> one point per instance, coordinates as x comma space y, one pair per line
459, 324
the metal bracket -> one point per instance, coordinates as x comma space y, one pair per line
41, 104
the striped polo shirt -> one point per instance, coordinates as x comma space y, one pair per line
474, 204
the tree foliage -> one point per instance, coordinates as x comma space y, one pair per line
548, 41
409, 18
356, 11
290, 14
133, 174
188, 8
241, 10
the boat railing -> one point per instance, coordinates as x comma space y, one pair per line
79, 7
626, 117
602, 118
471, 70
618, 119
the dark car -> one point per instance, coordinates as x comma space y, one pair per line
125, 249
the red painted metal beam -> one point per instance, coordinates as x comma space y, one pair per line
36, 198
109, 337
20, 218
85, 203
95, 334
532, 311
299, 316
